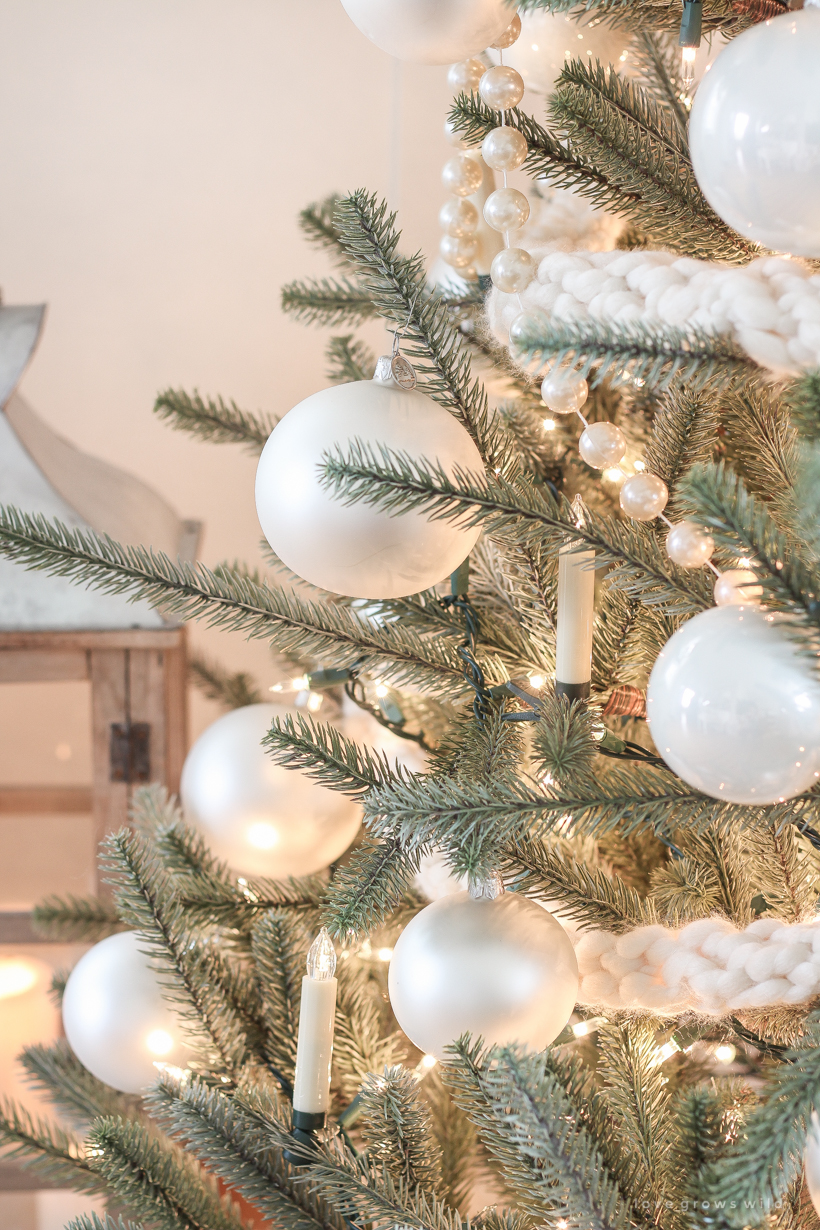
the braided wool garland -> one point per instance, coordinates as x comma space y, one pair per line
709, 966
771, 306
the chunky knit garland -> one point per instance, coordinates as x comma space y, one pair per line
771, 306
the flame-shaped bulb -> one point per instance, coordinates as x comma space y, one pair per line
321, 958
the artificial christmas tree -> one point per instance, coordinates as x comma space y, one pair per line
680, 1093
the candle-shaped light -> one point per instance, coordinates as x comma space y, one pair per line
314, 1047
576, 597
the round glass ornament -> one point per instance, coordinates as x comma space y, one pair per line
512, 270
602, 445
464, 76
462, 175
356, 549
501, 87
458, 217
644, 496
504, 148
754, 133
504, 969
430, 31
564, 391
506, 209
734, 709
116, 1020
262, 819
688, 545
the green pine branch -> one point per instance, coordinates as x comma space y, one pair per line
75, 920
51, 1153
657, 59
210, 901
349, 360
279, 944
397, 1128
90, 1221
227, 600
214, 421
731, 16
232, 691
328, 301
318, 225
323, 753
684, 431
372, 885
55, 1071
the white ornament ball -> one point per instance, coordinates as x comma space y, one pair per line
602, 445
512, 270
464, 76
811, 1161
458, 217
564, 391
644, 496
115, 1018
458, 252
262, 819
506, 209
509, 36
355, 549
504, 149
526, 326
737, 587
462, 175
501, 87
550, 40
734, 709
502, 969
754, 133
688, 545
430, 31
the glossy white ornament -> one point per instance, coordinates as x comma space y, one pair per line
458, 217
462, 175
644, 496
464, 76
506, 209
458, 252
115, 1018
430, 31
355, 549
754, 133
527, 325
737, 587
509, 36
688, 545
504, 148
502, 969
549, 40
811, 1161
734, 709
602, 445
564, 391
262, 819
512, 270
501, 87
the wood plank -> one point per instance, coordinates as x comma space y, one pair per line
42, 665
16, 928
108, 688
176, 713
15, 1178
45, 800
125, 638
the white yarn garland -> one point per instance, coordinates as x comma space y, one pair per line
710, 966
771, 306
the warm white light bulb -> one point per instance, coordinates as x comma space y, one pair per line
16, 977
321, 958
725, 1053
549, 424
384, 954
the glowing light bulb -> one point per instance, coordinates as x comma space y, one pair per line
299, 684
321, 958
262, 836
549, 424
315, 701
537, 681
639, 465
384, 954
428, 1061
159, 1042
16, 977
688, 57
381, 690
276, 687
725, 1053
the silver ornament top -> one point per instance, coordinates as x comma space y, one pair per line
488, 887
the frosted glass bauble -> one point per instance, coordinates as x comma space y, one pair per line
734, 708
355, 549
549, 40
115, 1018
504, 969
811, 1161
754, 133
260, 818
430, 31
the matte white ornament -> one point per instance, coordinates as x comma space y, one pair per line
644, 496
688, 545
512, 269
506, 209
734, 709
564, 391
737, 587
260, 818
811, 1161
602, 445
462, 175
501, 87
430, 31
754, 133
355, 549
115, 1018
550, 40
503, 969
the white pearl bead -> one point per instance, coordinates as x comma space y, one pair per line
644, 496
457, 251
501, 87
504, 148
506, 209
462, 175
509, 36
527, 325
464, 77
454, 138
737, 587
563, 391
688, 545
512, 270
602, 445
458, 217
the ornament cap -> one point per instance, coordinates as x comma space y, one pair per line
487, 887
321, 958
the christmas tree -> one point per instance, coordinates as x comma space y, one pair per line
685, 874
